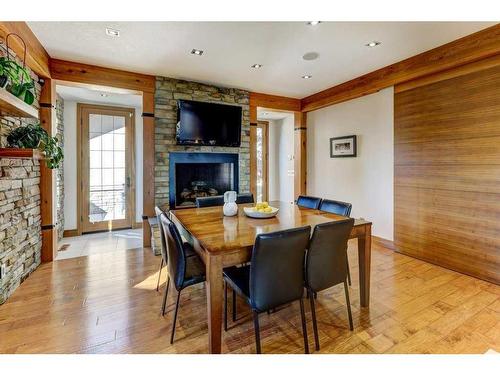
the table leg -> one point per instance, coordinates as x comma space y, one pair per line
214, 302
364, 258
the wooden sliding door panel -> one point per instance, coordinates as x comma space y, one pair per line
447, 173
453, 151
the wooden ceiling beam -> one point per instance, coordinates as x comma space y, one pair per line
96, 75
471, 48
274, 102
37, 58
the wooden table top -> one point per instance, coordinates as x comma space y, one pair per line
216, 232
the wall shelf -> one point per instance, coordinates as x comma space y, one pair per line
21, 153
14, 107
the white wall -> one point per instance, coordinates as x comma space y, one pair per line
367, 180
281, 148
70, 164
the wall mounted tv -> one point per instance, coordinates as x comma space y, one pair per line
208, 124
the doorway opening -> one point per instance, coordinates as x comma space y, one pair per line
275, 156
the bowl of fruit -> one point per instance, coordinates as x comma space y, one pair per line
261, 210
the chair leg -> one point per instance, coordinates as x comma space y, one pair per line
348, 305
159, 275
225, 306
257, 330
304, 326
175, 317
315, 323
348, 272
234, 306
164, 305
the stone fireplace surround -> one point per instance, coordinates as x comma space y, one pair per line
168, 91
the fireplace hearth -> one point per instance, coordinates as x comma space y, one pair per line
198, 174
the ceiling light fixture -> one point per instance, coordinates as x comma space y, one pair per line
257, 66
112, 32
307, 76
104, 95
313, 23
195, 51
373, 44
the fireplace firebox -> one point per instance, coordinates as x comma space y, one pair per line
200, 174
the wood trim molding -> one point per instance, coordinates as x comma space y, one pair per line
70, 233
97, 75
471, 48
274, 102
47, 176
300, 154
388, 244
37, 57
148, 165
448, 74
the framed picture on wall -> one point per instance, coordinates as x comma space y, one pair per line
343, 147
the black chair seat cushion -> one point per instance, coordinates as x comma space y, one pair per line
238, 278
195, 270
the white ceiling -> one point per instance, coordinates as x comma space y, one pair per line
230, 48
88, 95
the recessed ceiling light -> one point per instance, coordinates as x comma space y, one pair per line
257, 66
310, 56
112, 32
195, 51
313, 23
307, 76
373, 44
104, 95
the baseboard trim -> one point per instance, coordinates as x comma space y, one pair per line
388, 244
70, 233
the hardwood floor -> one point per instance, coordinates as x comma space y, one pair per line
107, 303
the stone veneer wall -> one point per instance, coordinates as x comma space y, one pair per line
60, 171
168, 91
20, 220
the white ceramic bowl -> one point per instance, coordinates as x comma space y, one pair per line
251, 212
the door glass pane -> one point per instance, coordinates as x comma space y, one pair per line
260, 165
107, 156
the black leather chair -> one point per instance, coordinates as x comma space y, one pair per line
336, 207
325, 263
308, 202
244, 198
216, 200
183, 270
274, 277
339, 208
164, 256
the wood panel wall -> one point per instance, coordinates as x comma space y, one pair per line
447, 173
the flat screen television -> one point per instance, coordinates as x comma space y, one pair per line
208, 124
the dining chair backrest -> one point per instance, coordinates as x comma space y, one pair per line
175, 250
244, 198
326, 257
216, 200
163, 241
336, 207
277, 268
308, 202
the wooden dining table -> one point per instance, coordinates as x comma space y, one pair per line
223, 241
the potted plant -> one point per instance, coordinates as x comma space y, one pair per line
34, 136
21, 83
8, 71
